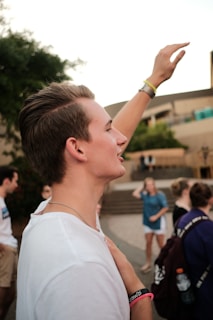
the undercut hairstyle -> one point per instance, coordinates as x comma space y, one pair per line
48, 118
179, 185
7, 172
200, 193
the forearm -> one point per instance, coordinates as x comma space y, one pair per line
142, 310
162, 212
130, 115
137, 193
2, 247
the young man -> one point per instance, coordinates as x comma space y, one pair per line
66, 270
8, 244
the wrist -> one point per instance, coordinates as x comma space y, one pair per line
138, 285
138, 295
155, 80
149, 88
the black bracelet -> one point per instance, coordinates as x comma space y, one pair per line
137, 294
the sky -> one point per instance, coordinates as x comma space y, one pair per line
119, 39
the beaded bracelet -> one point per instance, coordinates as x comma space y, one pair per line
138, 295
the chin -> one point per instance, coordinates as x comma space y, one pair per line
120, 173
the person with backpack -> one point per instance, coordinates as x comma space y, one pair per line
154, 208
188, 250
198, 249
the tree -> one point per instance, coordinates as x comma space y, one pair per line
157, 137
25, 67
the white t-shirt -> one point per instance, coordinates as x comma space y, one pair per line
66, 272
6, 236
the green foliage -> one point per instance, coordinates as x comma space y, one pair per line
157, 137
25, 67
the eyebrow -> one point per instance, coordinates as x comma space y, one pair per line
108, 123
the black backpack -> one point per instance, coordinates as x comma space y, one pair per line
167, 299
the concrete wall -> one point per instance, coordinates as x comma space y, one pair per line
184, 106
195, 134
163, 157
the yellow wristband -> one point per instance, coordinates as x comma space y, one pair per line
150, 85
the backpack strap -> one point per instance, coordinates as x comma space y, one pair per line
182, 232
203, 277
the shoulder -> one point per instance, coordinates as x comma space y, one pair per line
41, 206
160, 194
193, 214
178, 209
144, 194
2, 202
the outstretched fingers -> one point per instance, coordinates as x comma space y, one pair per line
174, 48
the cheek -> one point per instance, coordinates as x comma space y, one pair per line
108, 146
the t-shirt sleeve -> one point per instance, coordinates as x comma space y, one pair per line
163, 200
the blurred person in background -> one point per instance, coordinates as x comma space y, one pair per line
180, 189
198, 249
8, 243
154, 208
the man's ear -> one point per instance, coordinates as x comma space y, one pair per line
6, 181
75, 148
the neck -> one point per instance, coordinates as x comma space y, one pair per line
79, 194
71, 210
205, 209
2, 193
183, 205
183, 202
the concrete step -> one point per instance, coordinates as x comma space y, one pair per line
163, 173
122, 202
